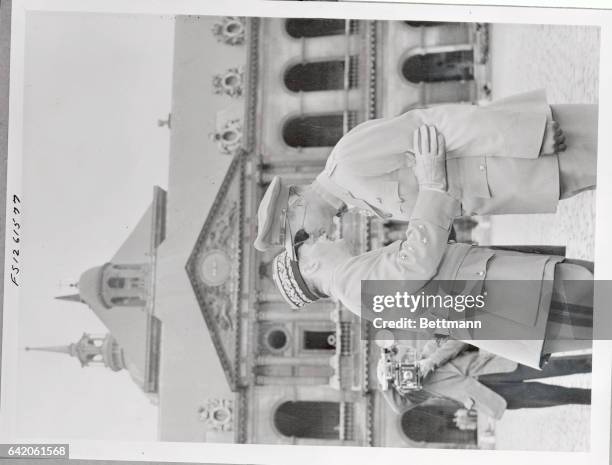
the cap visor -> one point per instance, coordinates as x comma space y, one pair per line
289, 248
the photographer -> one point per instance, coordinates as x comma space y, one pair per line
482, 381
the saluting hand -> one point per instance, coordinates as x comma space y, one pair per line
430, 158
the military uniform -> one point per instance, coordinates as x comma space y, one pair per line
425, 255
493, 159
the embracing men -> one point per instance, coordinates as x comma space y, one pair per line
507, 157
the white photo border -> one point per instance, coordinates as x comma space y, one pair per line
275, 454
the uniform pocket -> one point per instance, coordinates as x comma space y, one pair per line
473, 178
389, 190
514, 286
473, 271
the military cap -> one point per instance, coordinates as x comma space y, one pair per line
272, 217
289, 281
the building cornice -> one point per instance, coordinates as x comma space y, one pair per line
241, 415
251, 76
153, 330
372, 64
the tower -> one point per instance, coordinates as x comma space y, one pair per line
91, 350
111, 285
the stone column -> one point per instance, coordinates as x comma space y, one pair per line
291, 380
446, 48
280, 315
330, 47
308, 360
331, 101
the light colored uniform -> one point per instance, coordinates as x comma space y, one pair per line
425, 255
493, 159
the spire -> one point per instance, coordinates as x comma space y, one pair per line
69, 349
68, 289
91, 349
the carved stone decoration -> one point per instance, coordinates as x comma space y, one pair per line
217, 414
229, 138
230, 83
214, 269
220, 288
220, 308
230, 30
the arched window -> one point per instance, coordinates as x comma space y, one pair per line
304, 419
126, 266
435, 423
320, 75
315, 130
116, 283
306, 27
127, 301
440, 66
425, 23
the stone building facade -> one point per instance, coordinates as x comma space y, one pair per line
194, 309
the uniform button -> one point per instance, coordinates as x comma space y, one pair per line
481, 167
424, 240
420, 226
480, 273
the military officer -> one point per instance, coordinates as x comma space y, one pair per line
507, 157
546, 316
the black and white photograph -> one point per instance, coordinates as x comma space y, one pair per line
202, 198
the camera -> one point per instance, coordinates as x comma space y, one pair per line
402, 374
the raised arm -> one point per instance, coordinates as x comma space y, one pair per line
415, 259
434, 211
418, 256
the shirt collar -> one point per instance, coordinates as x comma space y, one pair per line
328, 197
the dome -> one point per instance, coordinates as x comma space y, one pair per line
90, 287
112, 353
